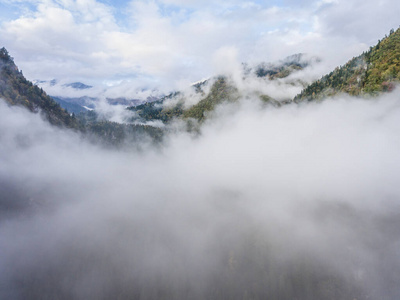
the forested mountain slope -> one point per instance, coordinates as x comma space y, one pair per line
16, 90
374, 71
222, 89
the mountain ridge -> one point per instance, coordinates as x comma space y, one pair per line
15, 89
371, 73
374, 71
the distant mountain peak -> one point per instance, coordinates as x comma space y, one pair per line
78, 85
284, 67
75, 85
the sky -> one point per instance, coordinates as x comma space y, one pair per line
168, 44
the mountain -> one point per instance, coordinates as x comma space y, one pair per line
16, 90
78, 86
75, 96
84, 103
285, 67
372, 72
115, 135
70, 106
73, 85
222, 89
76, 104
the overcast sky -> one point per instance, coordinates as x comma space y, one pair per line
170, 43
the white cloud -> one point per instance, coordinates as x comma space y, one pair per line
303, 189
171, 41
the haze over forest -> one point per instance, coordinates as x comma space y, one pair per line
273, 176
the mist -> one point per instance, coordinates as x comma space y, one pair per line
296, 202
246, 84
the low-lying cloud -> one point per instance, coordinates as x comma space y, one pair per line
297, 202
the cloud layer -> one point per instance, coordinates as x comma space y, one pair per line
297, 201
164, 43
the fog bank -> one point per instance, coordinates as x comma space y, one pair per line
297, 202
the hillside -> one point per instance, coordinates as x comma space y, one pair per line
370, 73
112, 134
16, 90
285, 67
222, 89
69, 106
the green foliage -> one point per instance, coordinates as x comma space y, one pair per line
372, 72
279, 71
117, 134
16, 90
383, 64
345, 79
283, 69
151, 111
5, 56
220, 91
148, 111
269, 100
